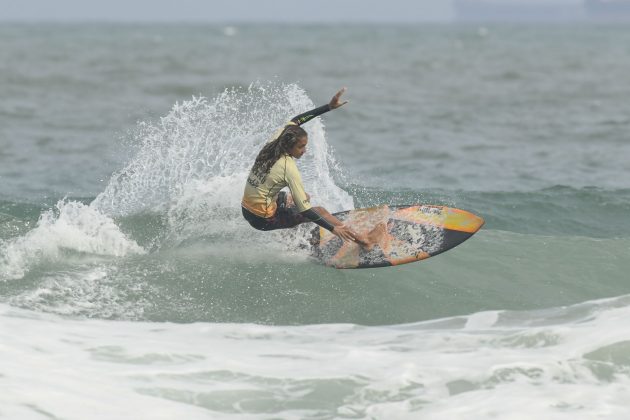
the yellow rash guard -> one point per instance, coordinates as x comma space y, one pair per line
260, 197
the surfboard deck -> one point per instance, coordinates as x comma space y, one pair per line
400, 235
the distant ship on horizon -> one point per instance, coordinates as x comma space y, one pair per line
540, 11
608, 9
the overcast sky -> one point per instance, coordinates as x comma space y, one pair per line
228, 10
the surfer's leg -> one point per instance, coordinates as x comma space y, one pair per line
289, 199
256, 222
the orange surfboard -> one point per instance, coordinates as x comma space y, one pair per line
397, 235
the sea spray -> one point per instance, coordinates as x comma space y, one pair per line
189, 166
200, 140
192, 164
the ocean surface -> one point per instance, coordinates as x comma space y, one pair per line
131, 287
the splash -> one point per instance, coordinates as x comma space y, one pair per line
193, 163
189, 166
202, 141
69, 226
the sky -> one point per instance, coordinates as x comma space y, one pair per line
226, 11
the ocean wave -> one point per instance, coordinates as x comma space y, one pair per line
559, 363
221, 279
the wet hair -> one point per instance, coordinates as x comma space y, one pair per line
273, 150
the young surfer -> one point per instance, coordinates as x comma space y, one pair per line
264, 206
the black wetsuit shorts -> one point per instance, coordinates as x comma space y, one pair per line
284, 217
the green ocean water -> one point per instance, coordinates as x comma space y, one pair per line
123, 154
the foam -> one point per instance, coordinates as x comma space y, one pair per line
482, 366
70, 226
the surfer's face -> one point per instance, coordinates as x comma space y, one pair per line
299, 148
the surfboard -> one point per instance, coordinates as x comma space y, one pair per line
398, 234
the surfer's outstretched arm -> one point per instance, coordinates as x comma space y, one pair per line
309, 115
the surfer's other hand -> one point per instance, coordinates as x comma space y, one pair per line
335, 102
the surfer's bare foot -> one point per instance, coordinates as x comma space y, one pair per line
374, 237
361, 240
290, 202
378, 232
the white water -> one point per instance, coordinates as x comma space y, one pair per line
191, 165
562, 363
70, 226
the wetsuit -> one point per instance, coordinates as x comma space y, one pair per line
264, 205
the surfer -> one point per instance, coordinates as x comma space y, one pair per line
264, 206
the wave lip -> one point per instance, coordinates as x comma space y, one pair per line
70, 226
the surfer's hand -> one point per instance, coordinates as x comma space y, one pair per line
335, 102
345, 233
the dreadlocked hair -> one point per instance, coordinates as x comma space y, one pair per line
273, 150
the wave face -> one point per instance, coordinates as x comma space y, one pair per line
195, 262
